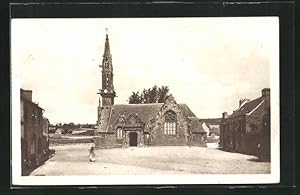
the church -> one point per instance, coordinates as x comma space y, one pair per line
153, 124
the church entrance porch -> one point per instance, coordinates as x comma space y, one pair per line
132, 139
133, 127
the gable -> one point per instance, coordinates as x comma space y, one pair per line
117, 115
133, 121
145, 112
248, 107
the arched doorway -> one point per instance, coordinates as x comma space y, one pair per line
132, 139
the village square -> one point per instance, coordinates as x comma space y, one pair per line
152, 133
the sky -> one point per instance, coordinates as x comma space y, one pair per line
208, 63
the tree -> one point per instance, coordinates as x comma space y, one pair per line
163, 94
151, 95
135, 98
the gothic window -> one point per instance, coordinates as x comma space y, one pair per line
119, 133
170, 123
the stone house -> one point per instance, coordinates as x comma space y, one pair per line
120, 125
247, 130
34, 133
213, 125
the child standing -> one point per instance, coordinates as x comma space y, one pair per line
92, 153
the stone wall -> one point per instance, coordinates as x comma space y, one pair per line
246, 132
34, 145
140, 138
104, 140
232, 132
157, 130
198, 139
259, 124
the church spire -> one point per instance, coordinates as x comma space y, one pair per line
107, 92
106, 49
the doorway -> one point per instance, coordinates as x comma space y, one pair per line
133, 139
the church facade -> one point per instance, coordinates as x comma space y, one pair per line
122, 125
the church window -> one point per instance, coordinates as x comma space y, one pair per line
170, 123
119, 133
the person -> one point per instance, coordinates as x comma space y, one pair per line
92, 154
259, 154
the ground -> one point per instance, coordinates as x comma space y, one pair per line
73, 160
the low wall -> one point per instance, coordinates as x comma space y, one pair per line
63, 141
106, 141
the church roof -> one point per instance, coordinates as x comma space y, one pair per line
186, 110
146, 112
109, 115
196, 125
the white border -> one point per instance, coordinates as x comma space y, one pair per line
273, 177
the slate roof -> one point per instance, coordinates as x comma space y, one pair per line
212, 121
247, 107
186, 110
196, 125
146, 112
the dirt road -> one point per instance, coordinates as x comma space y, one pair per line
73, 160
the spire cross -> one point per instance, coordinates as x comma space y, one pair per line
106, 30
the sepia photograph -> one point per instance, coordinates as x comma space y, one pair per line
126, 101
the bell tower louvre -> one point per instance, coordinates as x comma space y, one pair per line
107, 92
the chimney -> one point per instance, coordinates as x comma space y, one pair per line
224, 115
26, 94
265, 92
242, 101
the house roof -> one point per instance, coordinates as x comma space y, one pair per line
196, 125
248, 107
211, 121
146, 112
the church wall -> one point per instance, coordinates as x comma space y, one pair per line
107, 140
198, 139
161, 139
158, 136
107, 101
140, 138
111, 141
99, 140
